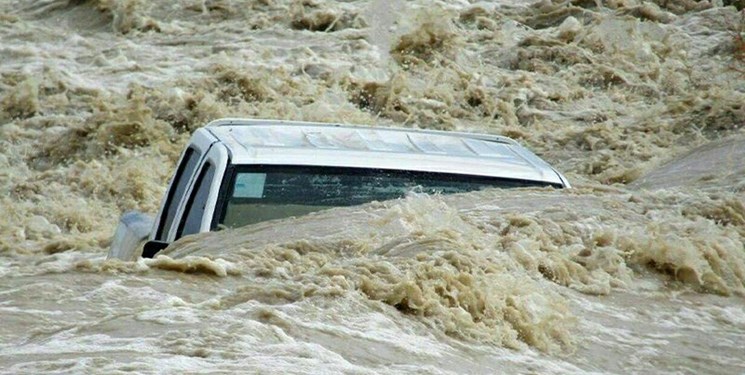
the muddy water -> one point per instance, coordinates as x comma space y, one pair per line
640, 268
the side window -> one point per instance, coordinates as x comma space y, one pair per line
178, 187
197, 202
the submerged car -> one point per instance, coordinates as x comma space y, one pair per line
237, 172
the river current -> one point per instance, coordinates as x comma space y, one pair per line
639, 268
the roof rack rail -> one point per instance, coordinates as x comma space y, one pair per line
249, 122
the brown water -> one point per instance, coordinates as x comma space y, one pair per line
640, 268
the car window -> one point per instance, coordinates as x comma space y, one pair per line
178, 187
197, 202
261, 193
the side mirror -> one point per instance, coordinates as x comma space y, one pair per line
153, 247
132, 231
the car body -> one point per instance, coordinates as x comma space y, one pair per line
237, 172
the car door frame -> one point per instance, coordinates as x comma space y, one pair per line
200, 142
218, 155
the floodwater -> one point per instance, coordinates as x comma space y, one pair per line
640, 268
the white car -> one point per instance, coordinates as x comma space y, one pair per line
236, 172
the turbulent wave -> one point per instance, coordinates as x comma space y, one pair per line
639, 102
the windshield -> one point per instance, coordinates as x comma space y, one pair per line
261, 193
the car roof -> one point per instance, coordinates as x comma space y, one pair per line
276, 142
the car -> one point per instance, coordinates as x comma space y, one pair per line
237, 172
